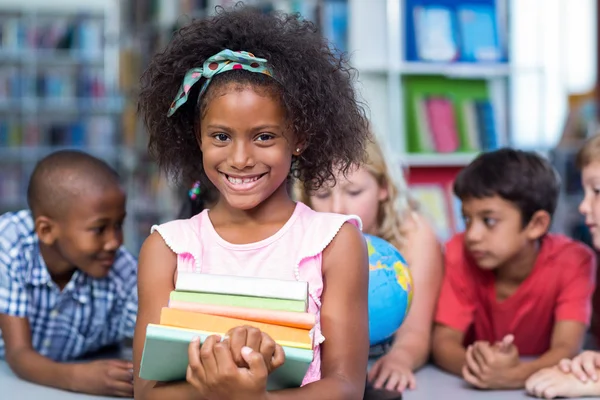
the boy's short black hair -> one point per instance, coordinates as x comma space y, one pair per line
524, 178
60, 177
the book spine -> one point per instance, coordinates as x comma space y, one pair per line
242, 286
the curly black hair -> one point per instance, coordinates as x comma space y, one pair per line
314, 85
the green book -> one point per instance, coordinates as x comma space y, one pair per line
165, 358
241, 301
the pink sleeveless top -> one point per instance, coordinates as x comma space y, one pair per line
293, 253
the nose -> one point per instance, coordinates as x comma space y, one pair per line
473, 234
584, 206
241, 156
114, 239
337, 203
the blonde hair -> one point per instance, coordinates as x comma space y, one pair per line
398, 206
589, 153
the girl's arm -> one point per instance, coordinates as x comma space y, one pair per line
344, 322
412, 341
156, 279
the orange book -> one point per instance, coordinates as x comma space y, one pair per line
275, 317
284, 335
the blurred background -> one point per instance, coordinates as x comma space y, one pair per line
443, 80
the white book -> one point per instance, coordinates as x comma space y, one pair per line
241, 286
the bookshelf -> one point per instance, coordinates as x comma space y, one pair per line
57, 86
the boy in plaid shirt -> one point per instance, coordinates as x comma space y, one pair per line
67, 286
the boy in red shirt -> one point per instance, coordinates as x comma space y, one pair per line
510, 288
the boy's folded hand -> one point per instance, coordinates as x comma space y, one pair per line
105, 377
488, 366
254, 338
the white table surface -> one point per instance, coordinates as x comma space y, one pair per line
432, 384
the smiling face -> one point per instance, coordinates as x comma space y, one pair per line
246, 145
88, 236
590, 205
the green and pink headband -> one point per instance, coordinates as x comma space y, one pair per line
226, 60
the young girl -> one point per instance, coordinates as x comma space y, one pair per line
386, 211
247, 100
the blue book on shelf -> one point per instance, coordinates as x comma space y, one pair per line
435, 34
334, 21
487, 125
479, 33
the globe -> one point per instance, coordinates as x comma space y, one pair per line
390, 289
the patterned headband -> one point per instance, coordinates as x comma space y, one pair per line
225, 60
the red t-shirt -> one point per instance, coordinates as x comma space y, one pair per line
559, 287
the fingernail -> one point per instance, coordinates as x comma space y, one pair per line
196, 339
246, 350
224, 337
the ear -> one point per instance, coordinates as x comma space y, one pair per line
299, 148
538, 225
383, 193
46, 229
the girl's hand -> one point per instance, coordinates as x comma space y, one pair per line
258, 341
584, 366
213, 372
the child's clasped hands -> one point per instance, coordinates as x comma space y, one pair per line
235, 366
491, 366
570, 378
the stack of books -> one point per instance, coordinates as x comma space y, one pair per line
204, 304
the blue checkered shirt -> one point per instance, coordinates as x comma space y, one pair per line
87, 315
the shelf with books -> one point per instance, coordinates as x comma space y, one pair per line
436, 160
58, 62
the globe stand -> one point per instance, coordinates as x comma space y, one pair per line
378, 394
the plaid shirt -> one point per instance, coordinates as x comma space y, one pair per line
87, 315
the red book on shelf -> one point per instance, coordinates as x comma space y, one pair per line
440, 115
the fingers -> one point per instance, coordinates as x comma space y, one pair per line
278, 358
412, 381
396, 382
577, 369
256, 363
225, 364
122, 389
472, 379
471, 363
483, 353
539, 384
121, 364
589, 367
121, 374
507, 341
565, 365
381, 375
267, 348
237, 340
374, 372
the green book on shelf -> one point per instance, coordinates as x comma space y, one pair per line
241, 301
165, 358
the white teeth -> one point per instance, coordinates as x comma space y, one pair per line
239, 181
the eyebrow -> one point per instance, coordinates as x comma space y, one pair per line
256, 128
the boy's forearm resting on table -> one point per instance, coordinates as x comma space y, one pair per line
549, 359
31, 366
449, 355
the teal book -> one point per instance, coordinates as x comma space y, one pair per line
165, 358
241, 301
